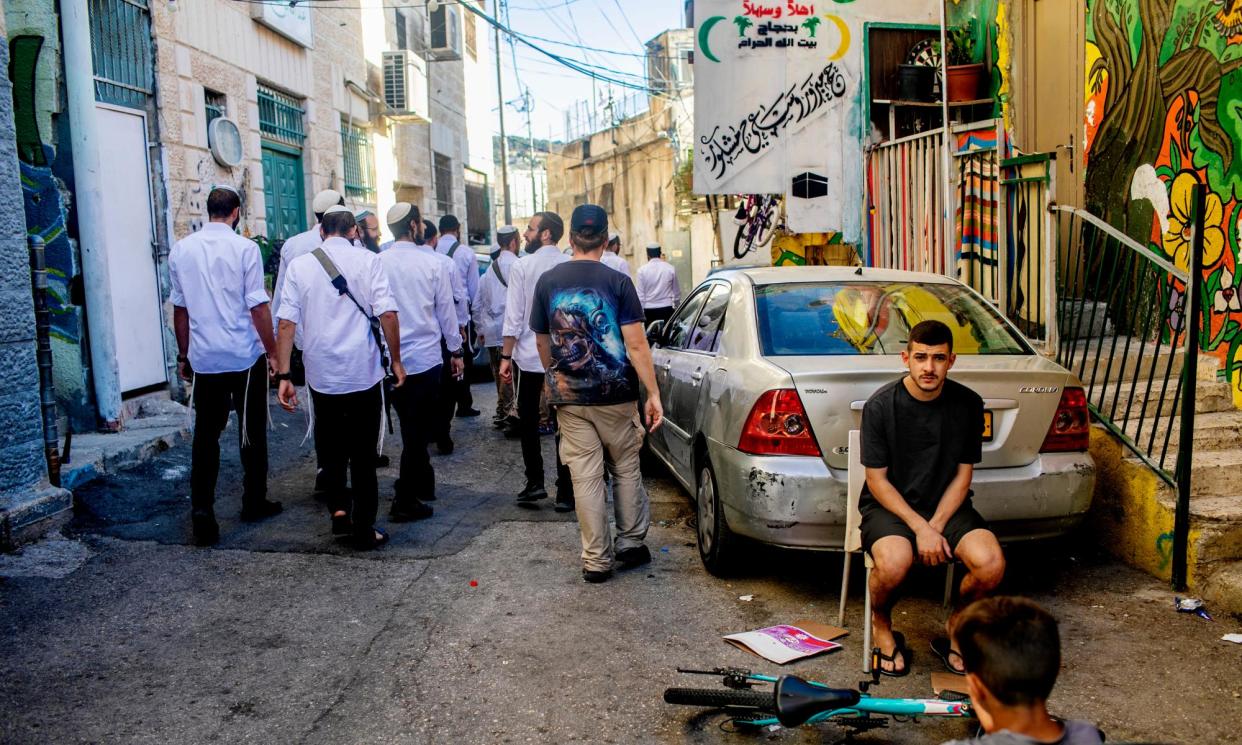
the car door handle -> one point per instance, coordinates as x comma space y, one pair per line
696, 376
666, 366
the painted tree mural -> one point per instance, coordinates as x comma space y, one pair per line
1164, 112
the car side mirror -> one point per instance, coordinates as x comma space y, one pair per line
654, 331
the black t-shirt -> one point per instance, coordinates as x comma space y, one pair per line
582, 306
921, 443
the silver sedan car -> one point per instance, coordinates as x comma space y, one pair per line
763, 373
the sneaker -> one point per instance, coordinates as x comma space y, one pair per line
595, 577
634, 557
467, 413
408, 512
206, 531
546, 429
532, 493
260, 511
445, 445
564, 506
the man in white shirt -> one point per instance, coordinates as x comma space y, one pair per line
488, 315
612, 255
457, 389
422, 284
222, 321
343, 366
542, 234
657, 286
295, 246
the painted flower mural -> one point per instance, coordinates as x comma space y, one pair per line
1177, 239
1163, 79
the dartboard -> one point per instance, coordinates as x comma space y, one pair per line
926, 52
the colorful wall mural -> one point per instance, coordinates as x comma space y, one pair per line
47, 201
1164, 78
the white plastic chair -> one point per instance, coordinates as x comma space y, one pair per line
853, 544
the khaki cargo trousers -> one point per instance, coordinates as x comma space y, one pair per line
592, 438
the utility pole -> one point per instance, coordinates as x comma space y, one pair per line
504, 142
530, 136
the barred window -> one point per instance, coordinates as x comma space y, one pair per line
280, 117
359, 168
215, 105
444, 183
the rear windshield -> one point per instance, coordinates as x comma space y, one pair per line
839, 318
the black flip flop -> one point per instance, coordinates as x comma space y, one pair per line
942, 648
899, 648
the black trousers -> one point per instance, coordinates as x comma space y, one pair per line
529, 389
456, 395
348, 426
658, 314
215, 395
417, 404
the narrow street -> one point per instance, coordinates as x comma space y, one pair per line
124, 633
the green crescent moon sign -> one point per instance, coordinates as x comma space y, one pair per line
704, 31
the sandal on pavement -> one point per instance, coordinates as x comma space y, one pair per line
342, 525
899, 648
942, 648
371, 542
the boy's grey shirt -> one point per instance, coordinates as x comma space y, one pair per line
1076, 733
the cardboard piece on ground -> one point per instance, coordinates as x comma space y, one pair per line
772, 649
942, 682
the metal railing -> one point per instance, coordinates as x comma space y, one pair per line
281, 117
907, 203
1129, 324
1027, 259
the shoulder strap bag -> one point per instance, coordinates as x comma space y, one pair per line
342, 287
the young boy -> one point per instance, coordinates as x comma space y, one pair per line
1012, 653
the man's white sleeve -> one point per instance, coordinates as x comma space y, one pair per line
515, 302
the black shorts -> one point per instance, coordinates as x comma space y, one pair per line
878, 523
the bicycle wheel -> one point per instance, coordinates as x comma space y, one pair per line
721, 698
742, 242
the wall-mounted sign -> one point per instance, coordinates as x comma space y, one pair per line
291, 22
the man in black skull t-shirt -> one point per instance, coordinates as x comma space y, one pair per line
921, 436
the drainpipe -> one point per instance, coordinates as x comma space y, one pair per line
946, 183
43, 338
88, 196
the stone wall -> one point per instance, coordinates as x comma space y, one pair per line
23, 473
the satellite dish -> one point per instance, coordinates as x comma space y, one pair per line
225, 141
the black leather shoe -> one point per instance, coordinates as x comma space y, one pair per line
260, 511
532, 493
408, 512
563, 506
445, 446
596, 577
467, 413
634, 557
206, 531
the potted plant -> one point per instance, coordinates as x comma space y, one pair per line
964, 76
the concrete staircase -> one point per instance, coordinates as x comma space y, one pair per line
1133, 510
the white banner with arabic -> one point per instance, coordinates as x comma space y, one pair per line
779, 102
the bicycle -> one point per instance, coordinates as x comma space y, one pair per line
793, 702
756, 219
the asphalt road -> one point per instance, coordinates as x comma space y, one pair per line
476, 627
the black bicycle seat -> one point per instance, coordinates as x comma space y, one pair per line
797, 700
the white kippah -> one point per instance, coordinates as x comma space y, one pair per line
325, 199
614, 237
337, 208
398, 212
506, 230
653, 246
224, 187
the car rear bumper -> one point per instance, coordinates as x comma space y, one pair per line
800, 502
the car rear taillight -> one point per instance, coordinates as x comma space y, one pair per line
1071, 426
778, 425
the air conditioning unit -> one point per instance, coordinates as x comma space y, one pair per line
445, 33
405, 86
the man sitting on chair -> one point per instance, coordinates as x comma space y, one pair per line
921, 436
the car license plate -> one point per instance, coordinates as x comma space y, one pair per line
987, 426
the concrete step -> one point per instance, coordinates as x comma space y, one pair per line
1222, 590
1118, 359
1215, 473
1213, 431
1211, 395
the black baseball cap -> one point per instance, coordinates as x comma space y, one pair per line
589, 220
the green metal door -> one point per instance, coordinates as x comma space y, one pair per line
282, 189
